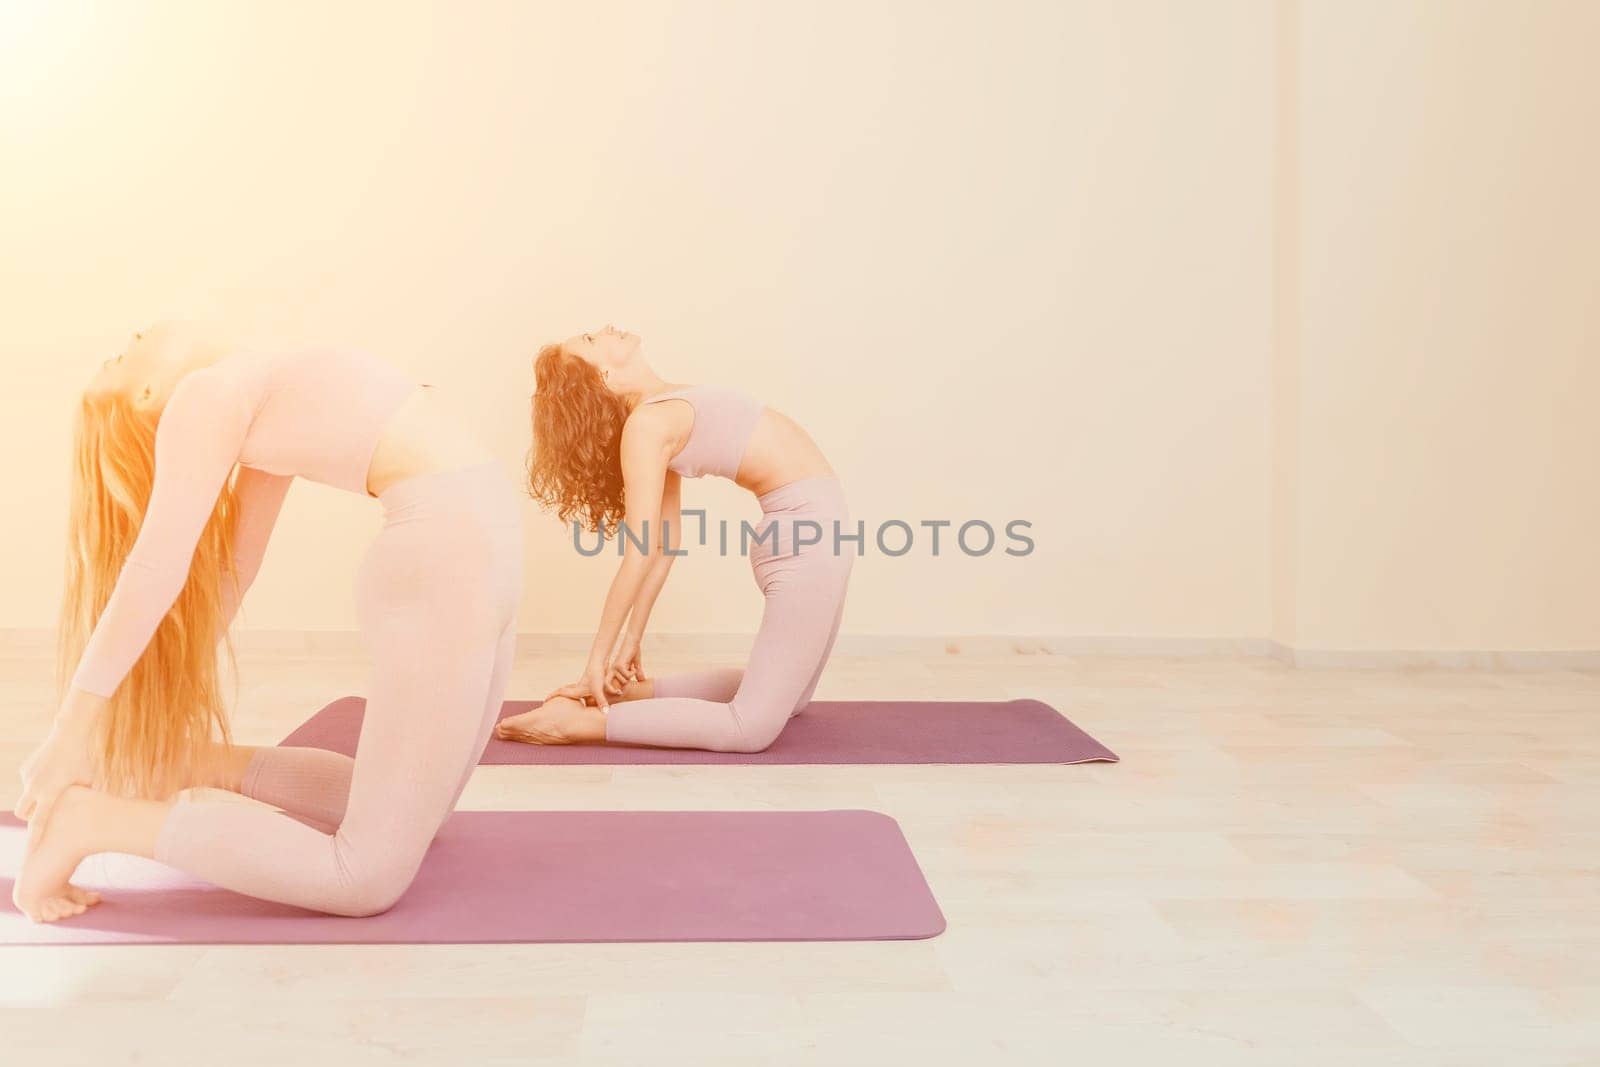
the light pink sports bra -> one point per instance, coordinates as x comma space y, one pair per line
724, 420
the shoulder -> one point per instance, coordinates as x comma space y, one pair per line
206, 398
651, 430
656, 419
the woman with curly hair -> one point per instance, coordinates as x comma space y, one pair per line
612, 442
185, 449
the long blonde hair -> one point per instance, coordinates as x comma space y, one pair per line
164, 718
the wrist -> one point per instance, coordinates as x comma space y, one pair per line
80, 710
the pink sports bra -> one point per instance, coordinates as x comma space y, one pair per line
724, 420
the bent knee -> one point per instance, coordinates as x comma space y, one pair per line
759, 735
373, 893
728, 678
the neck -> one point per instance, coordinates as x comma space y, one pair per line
648, 384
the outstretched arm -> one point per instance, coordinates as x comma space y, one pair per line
197, 443
661, 565
645, 452
627, 665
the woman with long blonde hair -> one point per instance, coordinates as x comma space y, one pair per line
612, 442
184, 451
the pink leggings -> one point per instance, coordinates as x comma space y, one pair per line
730, 710
437, 597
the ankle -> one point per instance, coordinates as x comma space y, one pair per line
72, 819
90, 821
640, 690
591, 724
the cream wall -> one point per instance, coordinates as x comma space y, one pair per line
1444, 353
1270, 317
1005, 261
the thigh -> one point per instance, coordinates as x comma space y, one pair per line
499, 677
798, 622
425, 706
822, 660
436, 627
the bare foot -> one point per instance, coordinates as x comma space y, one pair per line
42, 891
558, 721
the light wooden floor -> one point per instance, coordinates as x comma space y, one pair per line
1289, 867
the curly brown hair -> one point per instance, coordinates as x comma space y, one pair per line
575, 465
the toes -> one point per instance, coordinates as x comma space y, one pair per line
85, 897
57, 908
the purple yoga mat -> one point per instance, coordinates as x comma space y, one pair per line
548, 876
827, 731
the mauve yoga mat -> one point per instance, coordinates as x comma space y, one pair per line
827, 731
548, 876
